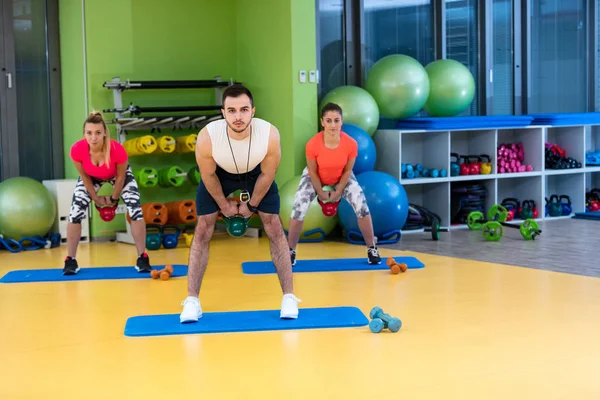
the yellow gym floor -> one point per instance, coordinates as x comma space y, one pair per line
471, 330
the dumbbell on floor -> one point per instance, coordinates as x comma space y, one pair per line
163, 274
395, 267
381, 320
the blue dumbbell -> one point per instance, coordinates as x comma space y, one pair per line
381, 320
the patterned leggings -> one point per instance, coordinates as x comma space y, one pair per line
306, 193
130, 195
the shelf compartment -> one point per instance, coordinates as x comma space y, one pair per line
430, 150
532, 141
478, 195
387, 147
570, 139
434, 197
522, 188
592, 142
592, 181
572, 185
474, 143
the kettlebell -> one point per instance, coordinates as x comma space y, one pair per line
464, 167
153, 236
512, 205
566, 206
486, 164
236, 226
554, 206
474, 167
527, 210
189, 237
107, 213
534, 210
454, 167
170, 240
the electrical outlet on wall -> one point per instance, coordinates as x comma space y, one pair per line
312, 76
302, 76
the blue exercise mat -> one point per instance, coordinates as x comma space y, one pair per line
593, 216
566, 119
330, 265
98, 273
469, 122
246, 321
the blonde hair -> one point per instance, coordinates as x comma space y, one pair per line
95, 117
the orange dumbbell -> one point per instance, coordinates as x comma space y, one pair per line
163, 274
395, 267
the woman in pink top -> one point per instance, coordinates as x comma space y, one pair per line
100, 160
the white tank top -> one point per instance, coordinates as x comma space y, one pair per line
221, 152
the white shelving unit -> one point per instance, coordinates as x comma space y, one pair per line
432, 149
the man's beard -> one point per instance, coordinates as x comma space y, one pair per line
237, 129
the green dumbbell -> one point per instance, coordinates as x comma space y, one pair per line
381, 320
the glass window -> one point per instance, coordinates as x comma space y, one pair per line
558, 73
461, 39
502, 39
33, 90
330, 45
397, 27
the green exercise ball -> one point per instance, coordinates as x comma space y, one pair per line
27, 208
452, 88
399, 84
315, 219
358, 107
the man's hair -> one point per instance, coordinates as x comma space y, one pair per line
331, 107
237, 90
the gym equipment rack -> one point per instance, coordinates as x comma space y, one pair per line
135, 118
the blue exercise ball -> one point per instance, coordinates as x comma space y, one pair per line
387, 201
365, 160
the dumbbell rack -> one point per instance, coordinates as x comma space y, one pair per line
132, 118
433, 148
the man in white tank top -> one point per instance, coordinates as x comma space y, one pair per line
239, 152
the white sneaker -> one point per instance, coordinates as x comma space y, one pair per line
289, 306
191, 310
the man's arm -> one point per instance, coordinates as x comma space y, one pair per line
208, 168
268, 168
87, 182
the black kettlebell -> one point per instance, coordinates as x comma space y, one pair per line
153, 236
554, 206
566, 206
170, 240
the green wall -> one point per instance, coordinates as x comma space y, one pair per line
189, 39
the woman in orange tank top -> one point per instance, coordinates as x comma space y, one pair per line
330, 157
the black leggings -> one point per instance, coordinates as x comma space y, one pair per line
130, 195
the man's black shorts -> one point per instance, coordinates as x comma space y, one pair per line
205, 204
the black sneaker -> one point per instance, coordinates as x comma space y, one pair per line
71, 267
143, 263
373, 254
293, 256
